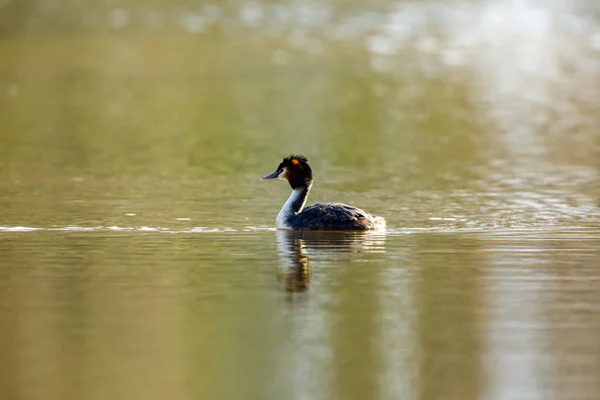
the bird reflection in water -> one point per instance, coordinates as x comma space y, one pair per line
295, 271
295, 246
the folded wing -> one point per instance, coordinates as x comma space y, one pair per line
335, 216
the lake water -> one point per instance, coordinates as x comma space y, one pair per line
138, 255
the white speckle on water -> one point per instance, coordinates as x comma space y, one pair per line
130, 214
194, 23
147, 229
198, 229
183, 219
118, 18
452, 57
259, 228
203, 229
18, 229
76, 228
251, 13
116, 228
382, 45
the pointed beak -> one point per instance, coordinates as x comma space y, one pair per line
274, 175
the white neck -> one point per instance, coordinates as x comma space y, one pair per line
294, 202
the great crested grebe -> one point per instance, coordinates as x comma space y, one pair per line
331, 216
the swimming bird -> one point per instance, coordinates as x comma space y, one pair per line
330, 216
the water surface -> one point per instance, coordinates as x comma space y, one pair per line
138, 255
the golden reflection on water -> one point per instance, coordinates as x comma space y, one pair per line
417, 315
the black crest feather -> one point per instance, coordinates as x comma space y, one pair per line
298, 157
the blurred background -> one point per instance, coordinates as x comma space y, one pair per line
137, 252
180, 103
